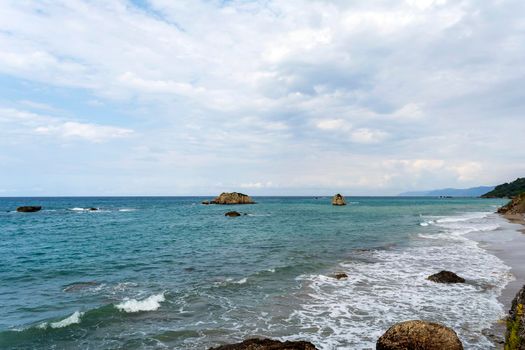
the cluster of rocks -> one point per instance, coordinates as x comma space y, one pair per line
515, 335
338, 199
229, 198
408, 335
515, 206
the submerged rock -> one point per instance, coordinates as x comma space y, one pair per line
232, 213
515, 335
419, 335
338, 199
267, 344
232, 198
93, 209
28, 209
515, 206
446, 277
78, 286
340, 275
205, 202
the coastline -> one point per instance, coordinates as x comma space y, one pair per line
508, 244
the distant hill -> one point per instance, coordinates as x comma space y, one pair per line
453, 192
507, 189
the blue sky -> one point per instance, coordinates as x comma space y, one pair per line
158, 97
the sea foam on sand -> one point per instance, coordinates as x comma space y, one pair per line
391, 285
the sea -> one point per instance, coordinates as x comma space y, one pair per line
171, 273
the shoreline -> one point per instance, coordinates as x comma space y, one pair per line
508, 244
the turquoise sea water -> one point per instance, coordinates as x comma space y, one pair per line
170, 273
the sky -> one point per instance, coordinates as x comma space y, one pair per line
162, 97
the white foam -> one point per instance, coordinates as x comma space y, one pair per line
390, 286
79, 209
242, 281
73, 319
127, 209
151, 303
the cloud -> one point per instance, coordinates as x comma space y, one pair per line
89, 132
385, 95
19, 122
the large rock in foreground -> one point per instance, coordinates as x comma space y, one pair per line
446, 277
338, 200
419, 335
267, 344
28, 209
232, 198
515, 206
515, 335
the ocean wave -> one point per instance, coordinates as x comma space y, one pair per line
151, 303
127, 209
357, 310
72, 319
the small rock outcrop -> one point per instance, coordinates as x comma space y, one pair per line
232, 198
446, 277
515, 335
93, 209
232, 214
267, 344
340, 275
515, 206
338, 199
205, 202
419, 335
28, 209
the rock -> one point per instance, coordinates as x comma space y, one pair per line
78, 286
93, 209
232, 213
28, 209
419, 335
267, 344
206, 202
515, 206
446, 277
515, 335
340, 275
232, 198
338, 200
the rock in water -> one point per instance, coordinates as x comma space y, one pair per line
232, 213
515, 206
28, 209
232, 198
340, 275
267, 344
515, 335
419, 335
205, 202
446, 277
338, 200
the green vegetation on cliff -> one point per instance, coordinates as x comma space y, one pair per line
507, 189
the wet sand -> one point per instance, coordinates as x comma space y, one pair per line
508, 244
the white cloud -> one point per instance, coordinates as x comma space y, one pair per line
89, 132
364, 135
407, 92
20, 122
